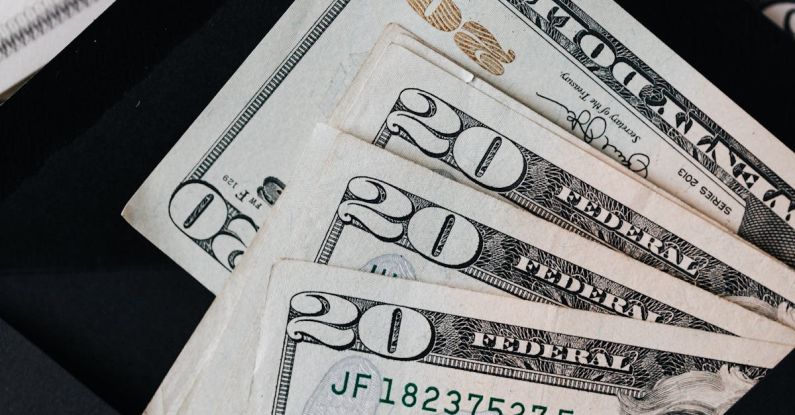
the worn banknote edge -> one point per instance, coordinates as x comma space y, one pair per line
238, 94
145, 209
743, 259
181, 378
290, 277
243, 296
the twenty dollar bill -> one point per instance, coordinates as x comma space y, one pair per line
357, 206
339, 342
452, 122
585, 64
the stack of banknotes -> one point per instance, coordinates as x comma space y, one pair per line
32, 32
470, 207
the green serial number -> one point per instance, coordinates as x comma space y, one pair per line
431, 399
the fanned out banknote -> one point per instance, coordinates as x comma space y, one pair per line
359, 207
343, 342
586, 65
451, 122
32, 32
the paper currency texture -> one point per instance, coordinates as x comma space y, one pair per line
586, 65
359, 207
342, 342
453, 123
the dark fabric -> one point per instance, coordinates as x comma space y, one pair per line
33, 384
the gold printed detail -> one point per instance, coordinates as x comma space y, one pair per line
445, 17
482, 46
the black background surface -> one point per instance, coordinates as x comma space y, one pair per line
107, 306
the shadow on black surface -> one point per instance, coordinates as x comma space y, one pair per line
34, 384
117, 331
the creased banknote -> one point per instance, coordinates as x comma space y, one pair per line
585, 64
359, 207
341, 342
450, 121
32, 32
